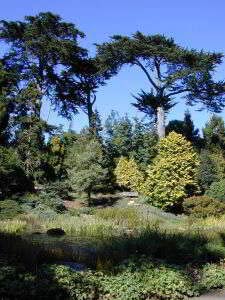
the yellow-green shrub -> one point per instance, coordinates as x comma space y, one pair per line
128, 174
173, 172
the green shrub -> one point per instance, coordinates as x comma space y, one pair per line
203, 206
217, 190
60, 189
9, 209
213, 276
45, 198
131, 281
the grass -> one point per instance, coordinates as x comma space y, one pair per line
13, 226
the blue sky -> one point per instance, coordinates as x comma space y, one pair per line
195, 24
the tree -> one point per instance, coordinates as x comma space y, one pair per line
128, 174
170, 69
81, 81
186, 128
207, 170
12, 177
29, 133
144, 143
85, 163
8, 81
214, 133
173, 174
118, 135
40, 48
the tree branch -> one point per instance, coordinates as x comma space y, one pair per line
137, 62
178, 92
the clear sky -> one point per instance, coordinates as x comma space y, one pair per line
196, 24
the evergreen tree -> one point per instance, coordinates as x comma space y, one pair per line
86, 165
186, 128
214, 133
170, 69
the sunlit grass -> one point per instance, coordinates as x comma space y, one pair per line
13, 226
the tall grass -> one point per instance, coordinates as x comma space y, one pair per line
13, 226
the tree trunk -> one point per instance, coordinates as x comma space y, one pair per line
90, 112
89, 197
161, 122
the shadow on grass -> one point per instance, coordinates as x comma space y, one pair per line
172, 248
175, 248
104, 201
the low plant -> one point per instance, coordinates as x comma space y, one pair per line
217, 190
9, 209
134, 279
13, 226
203, 206
121, 216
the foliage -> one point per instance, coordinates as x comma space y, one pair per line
9, 209
135, 279
170, 69
120, 216
214, 133
144, 143
173, 173
217, 190
186, 128
213, 276
13, 226
50, 200
128, 174
130, 138
12, 177
85, 164
118, 135
203, 206
207, 170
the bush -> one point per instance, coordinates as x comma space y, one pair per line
217, 190
60, 189
203, 206
43, 200
173, 174
9, 209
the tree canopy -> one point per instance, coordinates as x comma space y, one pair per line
170, 69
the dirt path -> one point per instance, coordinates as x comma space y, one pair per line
215, 295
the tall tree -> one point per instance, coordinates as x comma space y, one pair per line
41, 47
85, 77
170, 69
8, 82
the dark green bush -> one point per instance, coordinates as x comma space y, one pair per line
59, 188
203, 206
44, 199
9, 209
217, 190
